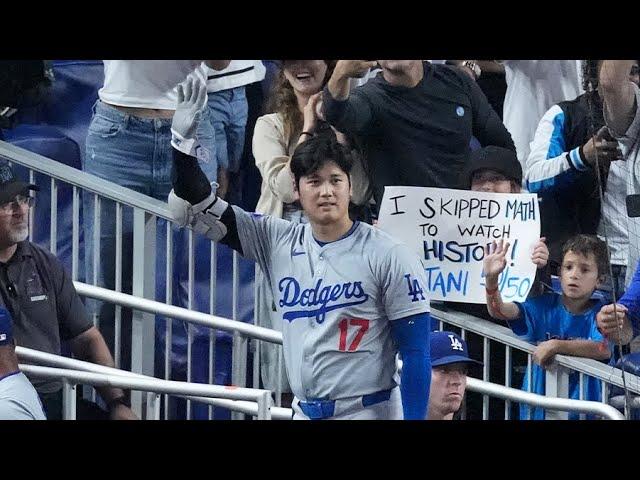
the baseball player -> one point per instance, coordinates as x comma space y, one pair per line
350, 296
18, 398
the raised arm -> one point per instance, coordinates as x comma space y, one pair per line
349, 114
493, 264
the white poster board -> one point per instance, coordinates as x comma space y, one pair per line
449, 229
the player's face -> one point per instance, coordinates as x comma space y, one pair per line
492, 182
448, 383
305, 76
325, 194
579, 275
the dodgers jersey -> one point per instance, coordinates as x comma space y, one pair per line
18, 399
336, 302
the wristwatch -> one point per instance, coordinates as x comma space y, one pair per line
473, 66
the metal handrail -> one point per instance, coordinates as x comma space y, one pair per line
551, 403
505, 336
180, 313
68, 364
84, 180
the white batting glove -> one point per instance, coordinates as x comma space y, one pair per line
192, 99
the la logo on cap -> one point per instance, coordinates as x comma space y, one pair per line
455, 343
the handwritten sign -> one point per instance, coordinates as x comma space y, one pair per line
449, 229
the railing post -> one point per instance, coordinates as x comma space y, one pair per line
557, 385
264, 406
68, 400
239, 366
143, 324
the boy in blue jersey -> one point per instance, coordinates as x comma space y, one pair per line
559, 324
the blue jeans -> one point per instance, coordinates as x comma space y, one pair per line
228, 112
135, 153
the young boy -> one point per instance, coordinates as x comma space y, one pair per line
559, 324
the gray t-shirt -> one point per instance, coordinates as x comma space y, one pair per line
18, 399
336, 302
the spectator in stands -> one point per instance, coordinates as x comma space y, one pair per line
621, 98
18, 398
533, 86
228, 110
293, 103
128, 143
559, 324
449, 366
415, 120
497, 170
562, 169
44, 305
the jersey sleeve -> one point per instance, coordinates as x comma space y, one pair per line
403, 283
550, 167
258, 235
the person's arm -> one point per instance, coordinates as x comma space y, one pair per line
270, 151
493, 264
217, 64
618, 94
551, 166
411, 334
91, 347
347, 113
545, 351
614, 323
193, 202
631, 300
85, 340
487, 126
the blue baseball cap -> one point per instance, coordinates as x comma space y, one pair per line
448, 347
6, 328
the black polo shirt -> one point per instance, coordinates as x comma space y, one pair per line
418, 136
43, 303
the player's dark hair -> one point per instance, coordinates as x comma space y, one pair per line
311, 155
586, 244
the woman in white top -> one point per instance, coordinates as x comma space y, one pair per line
294, 101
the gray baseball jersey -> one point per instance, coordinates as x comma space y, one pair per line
336, 301
18, 399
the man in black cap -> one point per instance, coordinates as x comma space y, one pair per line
44, 305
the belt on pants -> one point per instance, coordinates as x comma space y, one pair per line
319, 409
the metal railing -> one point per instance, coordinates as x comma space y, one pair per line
64, 364
71, 378
152, 236
557, 376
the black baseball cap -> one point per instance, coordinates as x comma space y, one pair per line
495, 158
10, 186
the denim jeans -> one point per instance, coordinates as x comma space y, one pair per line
228, 113
135, 153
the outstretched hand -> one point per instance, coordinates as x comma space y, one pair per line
495, 258
192, 98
